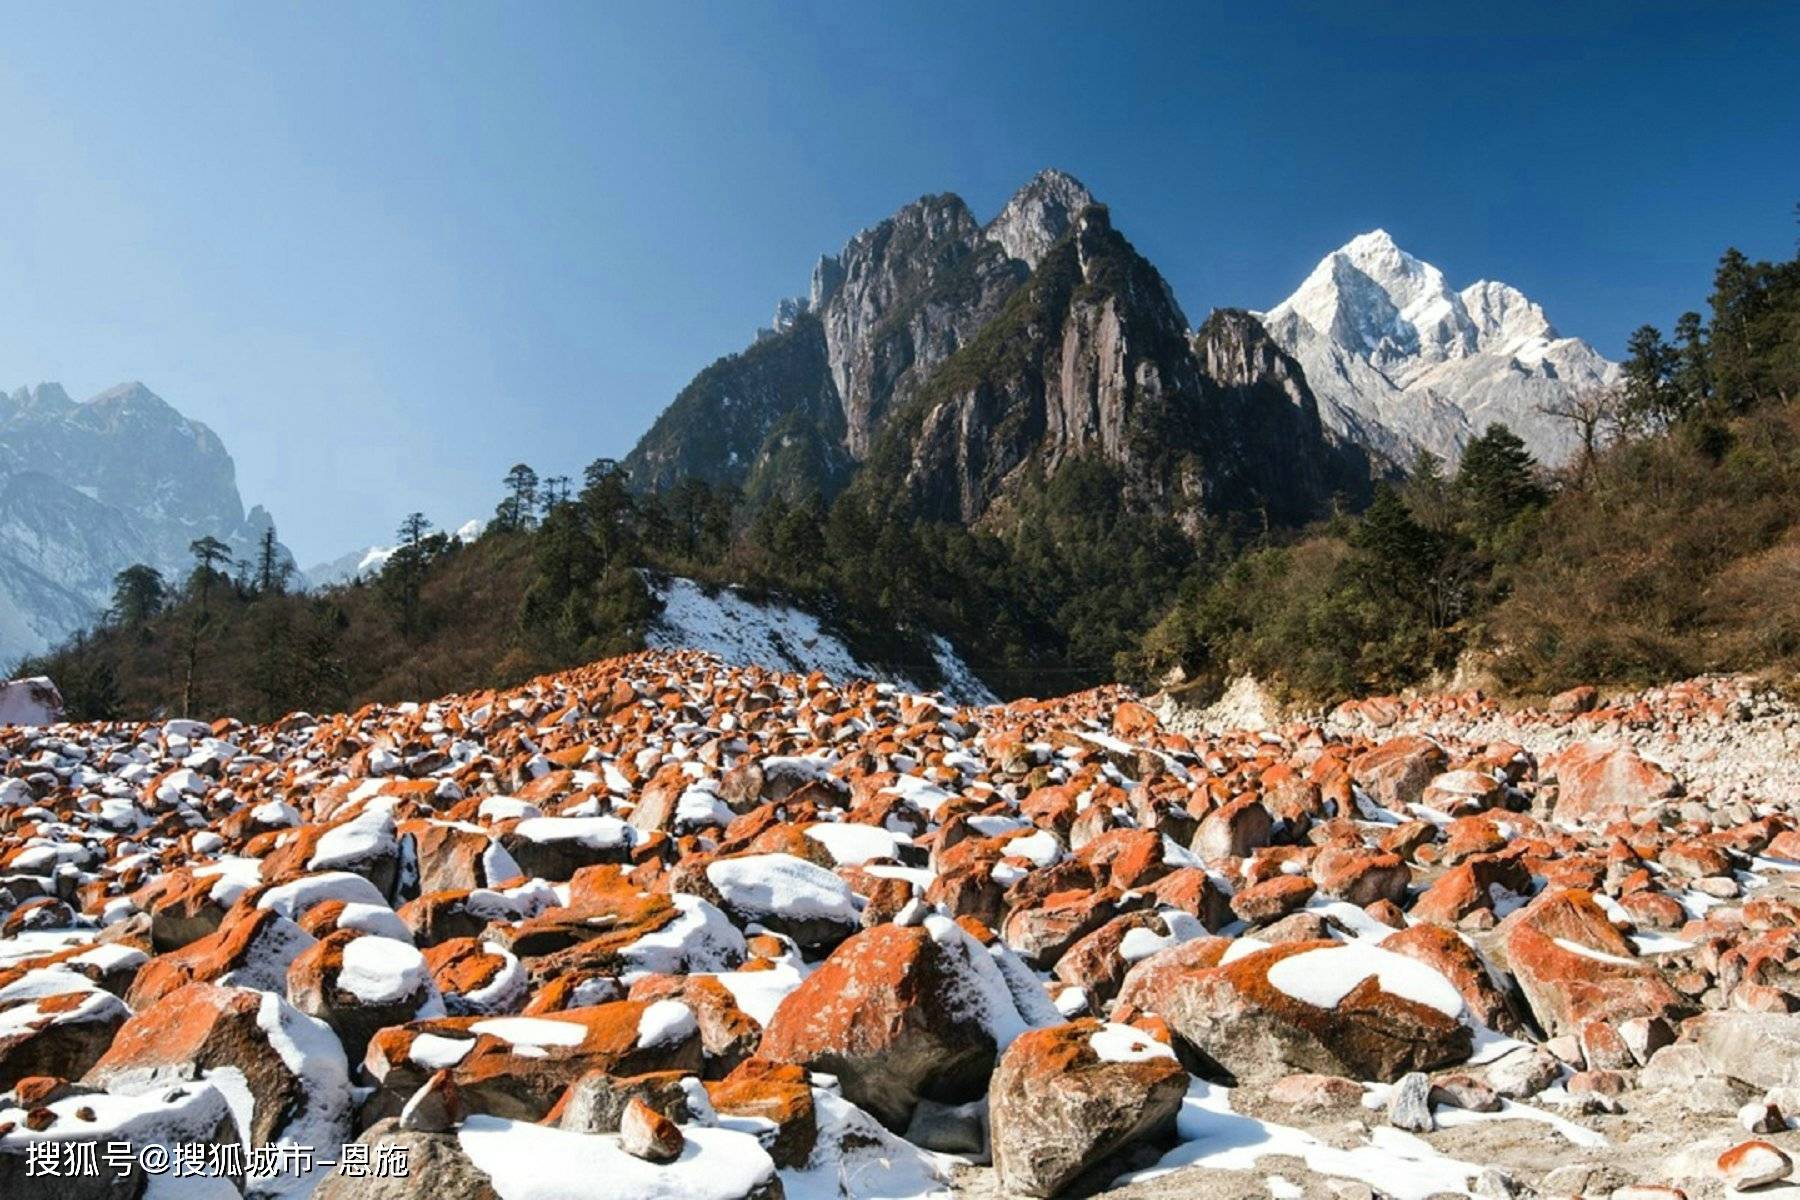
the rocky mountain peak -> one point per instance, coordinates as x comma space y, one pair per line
1503, 314
48, 398
1038, 214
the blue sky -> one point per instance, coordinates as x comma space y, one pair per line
387, 250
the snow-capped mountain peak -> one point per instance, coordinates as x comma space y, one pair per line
1401, 361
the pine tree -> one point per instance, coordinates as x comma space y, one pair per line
209, 554
272, 566
1651, 402
139, 594
519, 509
607, 507
1692, 376
1497, 480
403, 576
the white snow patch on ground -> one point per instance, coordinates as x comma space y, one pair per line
379, 970
760, 993
855, 1157
665, 1023
437, 1053
745, 632
532, 1162
1399, 1164
850, 842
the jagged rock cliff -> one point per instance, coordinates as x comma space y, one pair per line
960, 361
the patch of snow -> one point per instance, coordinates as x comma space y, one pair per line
726, 622
532, 1031
1211, 1135
782, 885
666, 1022
851, 843
525, 1161
379, 970
1123, 1044
1323, 977
436, 1053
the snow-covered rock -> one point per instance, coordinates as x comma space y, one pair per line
1399, 360
32, 701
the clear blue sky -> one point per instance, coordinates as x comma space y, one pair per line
387, 250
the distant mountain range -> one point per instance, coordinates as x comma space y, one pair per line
367, 562
88, 489
946, 367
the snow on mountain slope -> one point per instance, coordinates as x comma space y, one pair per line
743, 631
1400, 361
89, 489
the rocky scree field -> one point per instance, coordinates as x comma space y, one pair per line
665, 927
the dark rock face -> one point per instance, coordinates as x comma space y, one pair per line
958, 366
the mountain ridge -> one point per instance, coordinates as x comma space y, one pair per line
88, 488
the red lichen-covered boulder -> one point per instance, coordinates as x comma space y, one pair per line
358, 983
1395, 773
887, 1014
1067, 1097
779, 1093
1044, 929
1273, 899
1235, 829
1098, 962
517, 1067
252, 948
476, 978
1471, 885
60, 1034
1332, 1008
1451, 955
290, 1064
1597, 782
1361, 876
1575, 967
728, 1034
1149, 982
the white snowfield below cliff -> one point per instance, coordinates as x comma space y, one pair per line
746, 632
32, 701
